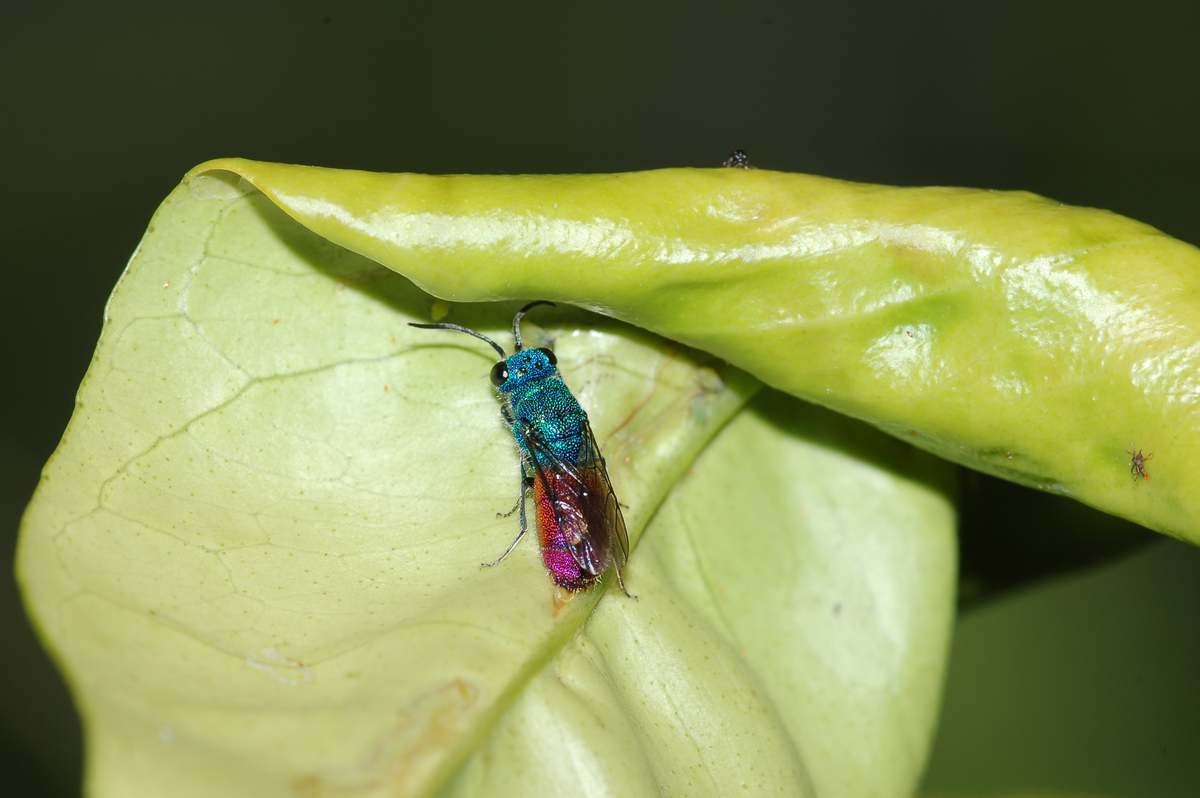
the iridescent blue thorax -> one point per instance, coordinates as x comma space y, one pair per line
536, 395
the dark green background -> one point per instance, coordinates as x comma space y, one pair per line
1087, 683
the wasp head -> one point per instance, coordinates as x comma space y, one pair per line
524, 367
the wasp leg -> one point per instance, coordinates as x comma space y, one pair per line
526, 483
621, 582
516, 504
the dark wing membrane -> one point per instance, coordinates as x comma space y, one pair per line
606, 497
572, 491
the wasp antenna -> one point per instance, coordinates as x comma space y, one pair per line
444, 325
521, 314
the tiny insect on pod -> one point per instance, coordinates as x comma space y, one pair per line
579, 520
1137, 463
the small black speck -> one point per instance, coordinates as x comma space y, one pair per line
738, 159
325, 20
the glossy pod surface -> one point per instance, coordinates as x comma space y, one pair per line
1040, 342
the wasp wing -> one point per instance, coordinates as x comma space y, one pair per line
573, 491
614, 521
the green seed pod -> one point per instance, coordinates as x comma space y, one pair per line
1047, 344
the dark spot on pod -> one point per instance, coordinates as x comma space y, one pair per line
738, 159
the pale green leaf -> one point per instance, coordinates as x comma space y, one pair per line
256, 552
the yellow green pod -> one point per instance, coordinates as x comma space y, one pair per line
1051, 345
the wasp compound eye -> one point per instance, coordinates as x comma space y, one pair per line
499, 373
549, 356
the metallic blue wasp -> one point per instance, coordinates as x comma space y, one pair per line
579, 519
